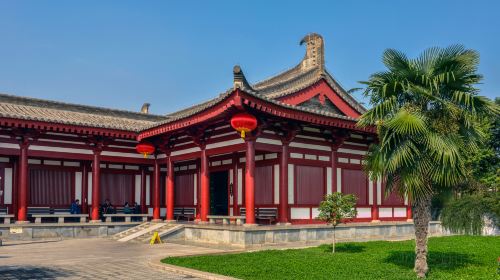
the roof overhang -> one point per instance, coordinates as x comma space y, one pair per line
239, 99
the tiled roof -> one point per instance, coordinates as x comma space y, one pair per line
309, 71
26, 108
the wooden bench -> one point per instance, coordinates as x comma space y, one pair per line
60, 217
128, 217
270, 214
188, 213
39, 213
6, 218
226, 220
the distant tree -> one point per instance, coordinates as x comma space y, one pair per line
484, 164
467, 214
426, 112
336, 209
476, 200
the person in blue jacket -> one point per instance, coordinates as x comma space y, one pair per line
75, 207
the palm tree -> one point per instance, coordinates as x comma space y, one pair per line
424, 110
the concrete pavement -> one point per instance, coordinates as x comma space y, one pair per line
93, 258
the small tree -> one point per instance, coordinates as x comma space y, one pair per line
336, 209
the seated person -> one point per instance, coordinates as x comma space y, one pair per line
75, 207
107, 207
127, 209
137, 208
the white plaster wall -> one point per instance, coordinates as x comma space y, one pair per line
7, 196
364, 213
299, 213
138, 188
78, 185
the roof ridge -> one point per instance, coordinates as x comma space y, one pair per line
280, 73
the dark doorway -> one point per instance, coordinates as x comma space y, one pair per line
218, 193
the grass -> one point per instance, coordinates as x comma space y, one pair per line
454, 257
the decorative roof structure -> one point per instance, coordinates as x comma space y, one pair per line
308, 72
275, 90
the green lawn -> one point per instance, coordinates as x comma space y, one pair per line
457, 257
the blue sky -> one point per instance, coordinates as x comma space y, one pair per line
174, 54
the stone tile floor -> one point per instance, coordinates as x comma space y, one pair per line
95, 258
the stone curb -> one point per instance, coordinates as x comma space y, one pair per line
157, 264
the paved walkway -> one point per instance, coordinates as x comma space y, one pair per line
88, 259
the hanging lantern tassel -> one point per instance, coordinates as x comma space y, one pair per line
243, 123
145, 149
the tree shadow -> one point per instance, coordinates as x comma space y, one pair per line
435, 260
344, 248
32, 272
13, 243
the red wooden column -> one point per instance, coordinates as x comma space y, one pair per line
409, 217
250, 181
170, 199
15, 185
205, 186
85, 188
156, 192
334, 170
96, 185
375, 206
143, 190
22, 206
235, 185
283, 206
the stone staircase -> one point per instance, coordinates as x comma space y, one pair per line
130, 231
143, 232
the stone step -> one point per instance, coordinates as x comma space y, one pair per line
131, 230
141, 232
147, 236
162, 231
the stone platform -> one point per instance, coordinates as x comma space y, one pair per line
264, 236
231, 236
67, 230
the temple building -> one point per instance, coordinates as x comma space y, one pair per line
303, 144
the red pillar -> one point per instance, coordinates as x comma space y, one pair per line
170, 190
156, 191
205, 186
375, 213
85, 189
22, 207
375, 205
235, 185
334, 170
408, 213
283, 207
143, 190
15, 186
250, 182
96, 185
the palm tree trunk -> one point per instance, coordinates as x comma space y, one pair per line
421, 219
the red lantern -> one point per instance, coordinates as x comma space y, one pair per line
145, 149
243, 123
